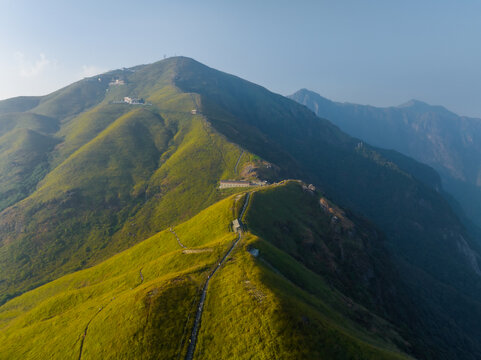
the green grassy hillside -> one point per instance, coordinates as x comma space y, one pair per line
19, 104
23, 163
74, 98
136, 303
352, 173
111, 175
25, 142
424, 235
39, 123
118, 175
141, 303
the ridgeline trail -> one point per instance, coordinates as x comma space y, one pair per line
195, 102
237, 163
205, 125
200, 309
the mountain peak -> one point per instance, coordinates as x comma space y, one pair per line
307, 92
418, 105
413, 103
306, 96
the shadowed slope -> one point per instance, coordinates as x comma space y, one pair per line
431, 134
119, 179
19, 104
23, 163
424, 235
113, 310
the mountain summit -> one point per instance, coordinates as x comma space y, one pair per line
121, 224
421, 106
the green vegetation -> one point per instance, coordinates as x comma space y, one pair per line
428, 243
23, 163
99, 177
19, 104
253, 310
141, 302
73, 99
136, 304
25, 142
117, 175
39, 123
431, 134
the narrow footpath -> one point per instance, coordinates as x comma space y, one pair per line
176, 237
84, 335
237, 163
200, 309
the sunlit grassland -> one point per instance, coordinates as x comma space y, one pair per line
254, 310
272, 306
127, 316
121, 174
141, 302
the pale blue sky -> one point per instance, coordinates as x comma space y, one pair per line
371, 52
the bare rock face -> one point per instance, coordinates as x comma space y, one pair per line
471, 256
338, 217
261, 170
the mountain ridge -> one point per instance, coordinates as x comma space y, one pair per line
431, 134
124, 172
116, 287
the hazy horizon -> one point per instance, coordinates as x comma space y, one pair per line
381, 54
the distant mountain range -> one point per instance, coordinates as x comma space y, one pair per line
433, 135
113, 228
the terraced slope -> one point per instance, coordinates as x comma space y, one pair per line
141, 302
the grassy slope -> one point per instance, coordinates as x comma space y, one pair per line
183, 181
253, 310
137, 317
19, 104
424, 234
35, 122
42, 114
277, 315
342, 248
85, 127
25, 141
23, 163
121, 174
74, 98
